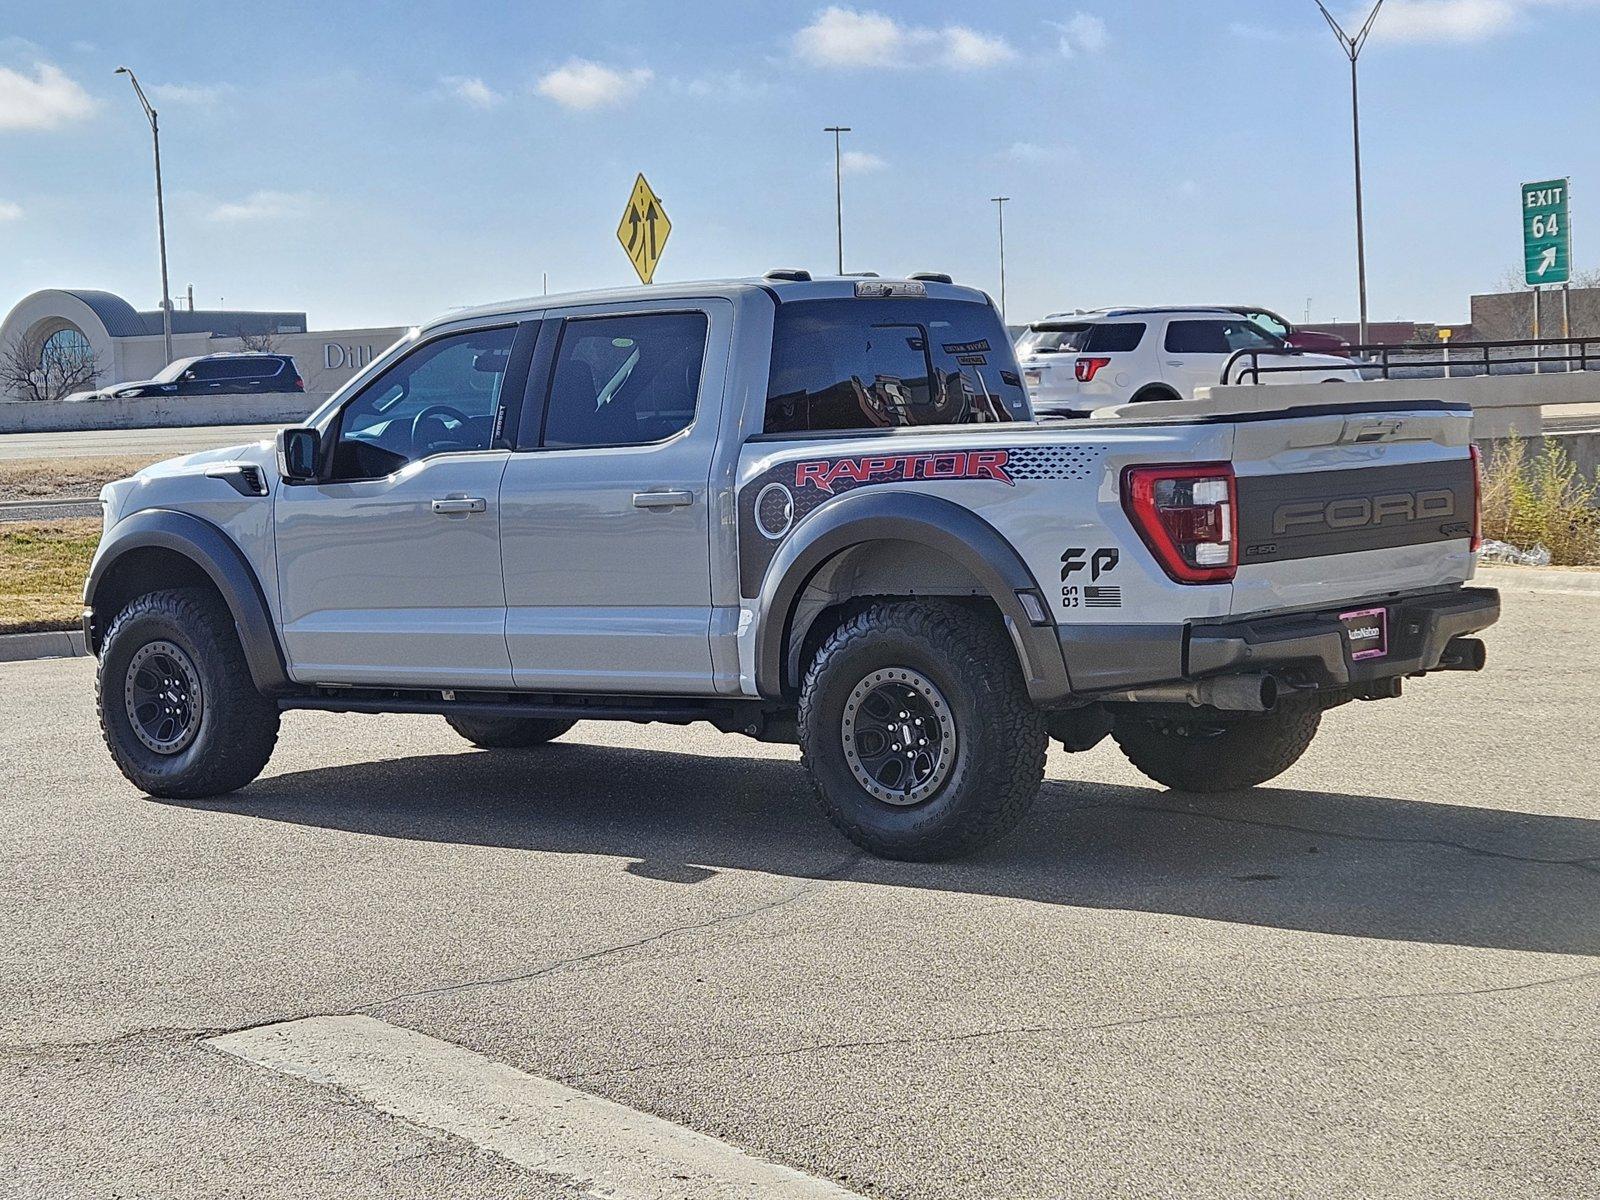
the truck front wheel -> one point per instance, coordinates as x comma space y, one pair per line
179, 711
1216, 754
917, 731
508, 733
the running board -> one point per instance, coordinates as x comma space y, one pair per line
732, 716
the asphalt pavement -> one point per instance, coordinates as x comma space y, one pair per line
1378, 976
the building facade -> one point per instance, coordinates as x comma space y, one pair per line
128, 345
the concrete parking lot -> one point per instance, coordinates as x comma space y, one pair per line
1379, 976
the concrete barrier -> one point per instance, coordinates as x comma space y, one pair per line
164, 412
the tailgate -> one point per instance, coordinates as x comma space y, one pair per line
1353, 502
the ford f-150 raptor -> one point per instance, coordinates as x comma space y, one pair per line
805, 510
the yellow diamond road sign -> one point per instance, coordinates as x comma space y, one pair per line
644, 229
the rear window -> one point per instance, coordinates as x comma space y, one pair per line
867, 364
1117, 338
1054, 339
1218, 337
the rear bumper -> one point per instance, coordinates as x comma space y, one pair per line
1304, 649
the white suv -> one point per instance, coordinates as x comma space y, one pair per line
1074, 363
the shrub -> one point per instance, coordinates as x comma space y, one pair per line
1541, 501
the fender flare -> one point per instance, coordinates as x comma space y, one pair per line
932, 521
215, 553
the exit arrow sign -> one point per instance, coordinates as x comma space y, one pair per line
1546, 237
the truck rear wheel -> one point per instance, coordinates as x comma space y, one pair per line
917, 731
1218, 754
508, 733
179, 711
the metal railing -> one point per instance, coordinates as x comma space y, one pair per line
1421, 360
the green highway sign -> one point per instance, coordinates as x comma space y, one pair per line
1546, 238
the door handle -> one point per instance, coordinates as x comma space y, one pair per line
662, 499
1174, 362
459, 504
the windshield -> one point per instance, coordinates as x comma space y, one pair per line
171, 371
1054, 339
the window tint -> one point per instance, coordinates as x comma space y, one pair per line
625, 381
208, 369
1053, 339
1116, 338
1196, 337
863, 364
441, 397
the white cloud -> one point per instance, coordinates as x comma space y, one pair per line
585, 85
847, 37
263, 206
970, 50
10, 211
1450, 20
472, 91
1082, 33
190, 94
728, 85
47, 99
859, 162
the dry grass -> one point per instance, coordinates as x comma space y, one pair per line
42, 568
1541, 500
44, 478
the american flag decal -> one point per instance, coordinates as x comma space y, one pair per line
1102, 597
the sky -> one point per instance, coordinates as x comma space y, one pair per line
377, 165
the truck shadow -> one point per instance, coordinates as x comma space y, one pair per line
1366, 866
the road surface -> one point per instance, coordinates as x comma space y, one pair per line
1380, 975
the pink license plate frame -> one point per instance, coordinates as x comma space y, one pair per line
1357, 619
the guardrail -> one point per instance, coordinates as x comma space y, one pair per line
1413, 358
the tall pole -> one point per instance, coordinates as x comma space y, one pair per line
1352, 47
161, 209
1000, 207
838, 188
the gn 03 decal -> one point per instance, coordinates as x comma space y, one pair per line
780, 498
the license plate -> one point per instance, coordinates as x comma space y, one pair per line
1366, 632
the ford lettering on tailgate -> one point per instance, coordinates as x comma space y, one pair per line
1342, 512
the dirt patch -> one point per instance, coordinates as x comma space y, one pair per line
42, 568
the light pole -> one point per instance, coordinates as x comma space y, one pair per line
838, 188
999, 203
1352, 48
161, 209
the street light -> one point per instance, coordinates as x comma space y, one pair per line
1352, 48
838, 188
161, 210
999, 203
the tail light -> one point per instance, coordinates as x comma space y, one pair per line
1087, 368
1477, 497
299, 384
1188, 515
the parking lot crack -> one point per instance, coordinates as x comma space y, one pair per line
1311, 1002
810, 885
1589, 863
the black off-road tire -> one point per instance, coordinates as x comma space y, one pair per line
1211, 754
999, 737
237, 726
508, 733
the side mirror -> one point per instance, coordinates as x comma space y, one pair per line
299, 448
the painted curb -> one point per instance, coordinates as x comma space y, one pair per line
20, 647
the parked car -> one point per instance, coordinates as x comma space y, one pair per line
211, 375
1293, 335
1075, 363
807, 511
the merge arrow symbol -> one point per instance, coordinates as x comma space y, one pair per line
633, 228
1546, 260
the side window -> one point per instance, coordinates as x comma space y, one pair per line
1247, 335
1197, 337
1118, 338
206, 371
441, 397
866, 364
625, 381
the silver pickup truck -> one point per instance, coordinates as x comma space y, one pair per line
815, 511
